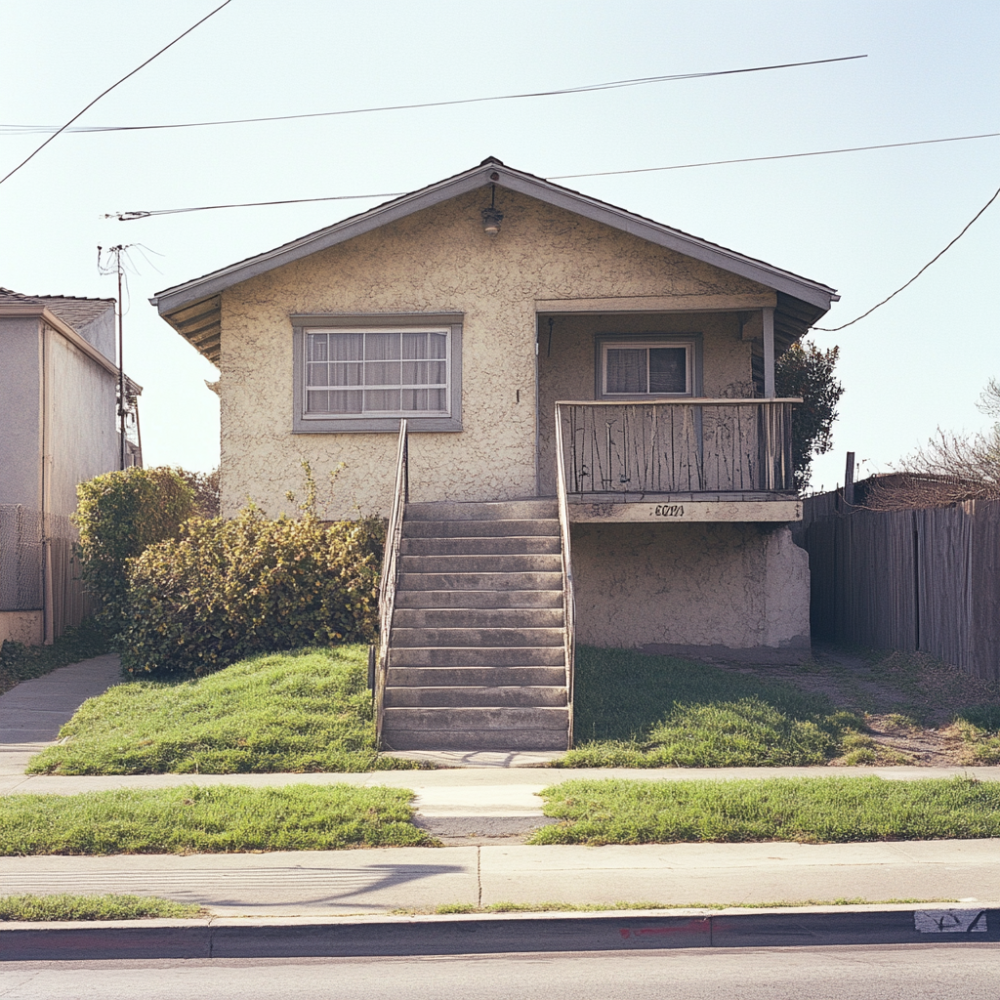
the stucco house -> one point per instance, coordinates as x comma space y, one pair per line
593, 450
58, 427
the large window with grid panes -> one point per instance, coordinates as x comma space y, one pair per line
362, 377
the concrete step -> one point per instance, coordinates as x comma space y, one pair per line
478, 719
477, 656
439, 677
474, 740
520, 696
495, 511
471, 528
478, 599
481, 564
517, 618
483, 545
481, 581
430, 638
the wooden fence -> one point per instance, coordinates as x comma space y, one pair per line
39, 568
924, 580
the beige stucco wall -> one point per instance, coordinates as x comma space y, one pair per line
435, 261
714, 587
22, 626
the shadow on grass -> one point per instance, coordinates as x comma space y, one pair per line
633, 710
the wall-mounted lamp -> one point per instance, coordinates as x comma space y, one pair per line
492, 216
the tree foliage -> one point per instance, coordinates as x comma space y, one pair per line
225, 590
807, 371
118, 515
205, 486
950, 468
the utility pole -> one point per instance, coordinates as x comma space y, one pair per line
116, 252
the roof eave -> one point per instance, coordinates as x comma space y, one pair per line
180, 296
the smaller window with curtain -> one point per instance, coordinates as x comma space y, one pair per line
646, 367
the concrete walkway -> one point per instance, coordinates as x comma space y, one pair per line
481, 812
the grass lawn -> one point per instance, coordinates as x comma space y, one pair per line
307, 710
222, 819
113, 907
807, 810
633, 710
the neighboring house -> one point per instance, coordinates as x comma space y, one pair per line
58, 427
497, 312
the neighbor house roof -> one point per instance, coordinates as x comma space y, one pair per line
65, 313
193, 308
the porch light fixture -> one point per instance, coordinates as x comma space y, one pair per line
492, 216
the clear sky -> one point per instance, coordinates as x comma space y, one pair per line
861, 222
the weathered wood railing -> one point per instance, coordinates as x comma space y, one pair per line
676, 446
569, 598
390, 572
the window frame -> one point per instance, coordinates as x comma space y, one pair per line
691, 342
366, 423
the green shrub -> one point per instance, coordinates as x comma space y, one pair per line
119, 514
226, 590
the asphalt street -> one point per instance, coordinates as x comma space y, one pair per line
902, 972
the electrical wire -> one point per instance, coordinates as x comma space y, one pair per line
63, 128
968, 226
132, 216
781, 156
586, 89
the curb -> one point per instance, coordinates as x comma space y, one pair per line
501, 933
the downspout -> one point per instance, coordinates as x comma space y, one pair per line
46, 581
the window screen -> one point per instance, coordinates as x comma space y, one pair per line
386, 373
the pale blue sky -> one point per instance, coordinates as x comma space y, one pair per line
863, 223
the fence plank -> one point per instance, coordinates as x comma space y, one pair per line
920, 579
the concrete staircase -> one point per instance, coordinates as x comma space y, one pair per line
477, 645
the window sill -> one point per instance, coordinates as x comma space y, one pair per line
376, 425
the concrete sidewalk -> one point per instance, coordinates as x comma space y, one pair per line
379, 881
481, 812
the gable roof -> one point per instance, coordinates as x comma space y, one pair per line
193, 308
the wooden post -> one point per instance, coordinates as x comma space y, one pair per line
849, 480
768, 315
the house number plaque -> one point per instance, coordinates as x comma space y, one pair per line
688, 510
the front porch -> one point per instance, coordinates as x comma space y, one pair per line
676, 461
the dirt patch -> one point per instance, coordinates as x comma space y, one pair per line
909, 703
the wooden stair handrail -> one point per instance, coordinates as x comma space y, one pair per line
390, 572
569, 597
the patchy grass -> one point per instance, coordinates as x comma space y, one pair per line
633, 710
979, 727
806, 810
308, 710
554, 907
209, 820
21, 663
111, 907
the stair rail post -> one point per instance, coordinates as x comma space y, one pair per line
569, 598
390, 573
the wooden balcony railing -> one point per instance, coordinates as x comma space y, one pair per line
678, 446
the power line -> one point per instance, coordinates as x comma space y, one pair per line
781, 156
132, 216
968, 226
63, 128
586, 89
